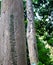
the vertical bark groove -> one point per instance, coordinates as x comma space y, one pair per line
12, 41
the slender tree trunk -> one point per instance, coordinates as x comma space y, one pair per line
32, 46
51, 16
13, 49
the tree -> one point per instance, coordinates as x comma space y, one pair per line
32, 46
13, 48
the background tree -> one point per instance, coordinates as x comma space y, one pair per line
44, 29
32, 46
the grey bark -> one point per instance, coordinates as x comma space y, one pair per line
0, 40
13, 46
32, 46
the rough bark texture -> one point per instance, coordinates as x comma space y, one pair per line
0, 40
13, 49
32, 46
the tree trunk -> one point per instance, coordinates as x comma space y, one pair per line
0, 40
13, 46
32, 46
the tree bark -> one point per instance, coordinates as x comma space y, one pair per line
13, 46
32, 46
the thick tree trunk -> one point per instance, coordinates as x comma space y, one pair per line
32, 46
0, 41
13, 49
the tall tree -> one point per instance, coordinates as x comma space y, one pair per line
32, 46
13, 48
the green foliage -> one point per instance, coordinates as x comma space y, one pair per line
40, 63
50, 41
43, 53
